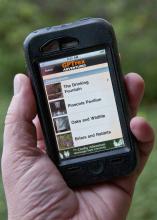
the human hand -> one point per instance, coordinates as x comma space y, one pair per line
34, 187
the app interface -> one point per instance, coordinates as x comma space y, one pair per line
82, 104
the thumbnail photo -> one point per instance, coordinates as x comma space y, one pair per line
54, 91
61, 124
58, 108
65, 141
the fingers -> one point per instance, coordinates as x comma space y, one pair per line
19, 130
145, 136
135, 90
22, 106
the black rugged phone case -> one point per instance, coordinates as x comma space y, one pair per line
91, 32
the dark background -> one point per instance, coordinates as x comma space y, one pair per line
135, 26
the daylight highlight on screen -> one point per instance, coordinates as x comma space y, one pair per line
82, 104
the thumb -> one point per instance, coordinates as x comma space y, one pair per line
19, 130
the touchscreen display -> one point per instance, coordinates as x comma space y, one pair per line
82, 105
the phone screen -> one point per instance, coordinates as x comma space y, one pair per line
82, 104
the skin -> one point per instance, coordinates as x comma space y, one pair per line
34, 187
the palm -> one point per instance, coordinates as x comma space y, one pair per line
44, 186
103, 201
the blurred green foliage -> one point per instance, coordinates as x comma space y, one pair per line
134, 23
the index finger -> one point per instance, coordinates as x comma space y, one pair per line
134, 84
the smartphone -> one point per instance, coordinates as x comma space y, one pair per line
77, 81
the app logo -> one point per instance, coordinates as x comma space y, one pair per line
71, 65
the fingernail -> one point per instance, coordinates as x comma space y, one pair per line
17, 84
